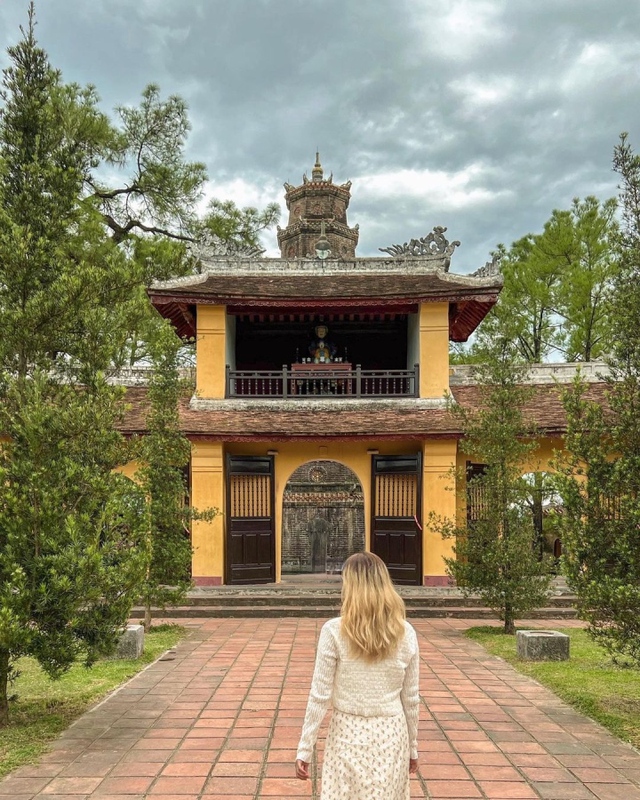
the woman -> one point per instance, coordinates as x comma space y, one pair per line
367, 668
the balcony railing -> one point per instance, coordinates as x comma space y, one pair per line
303, 381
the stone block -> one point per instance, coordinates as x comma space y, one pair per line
131, 642
542, 645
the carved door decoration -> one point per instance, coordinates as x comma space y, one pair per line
396, 529
251, 541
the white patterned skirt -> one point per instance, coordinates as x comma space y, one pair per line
366, 758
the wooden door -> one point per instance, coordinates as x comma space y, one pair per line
396, 529
251, 540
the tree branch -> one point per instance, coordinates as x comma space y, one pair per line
109, 195
120, 232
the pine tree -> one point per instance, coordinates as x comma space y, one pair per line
164, 454
75, 257
495, 553
557, 286
601, 477
70, 527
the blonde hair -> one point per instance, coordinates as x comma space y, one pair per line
373, 613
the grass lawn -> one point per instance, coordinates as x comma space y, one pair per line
589, 681
44, 707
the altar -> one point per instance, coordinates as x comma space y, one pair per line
324, 378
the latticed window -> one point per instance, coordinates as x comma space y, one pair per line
477, 504
396, 495
250, 496
610, 506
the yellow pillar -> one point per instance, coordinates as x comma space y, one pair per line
439, 498
211, 351
207, 491
434, 349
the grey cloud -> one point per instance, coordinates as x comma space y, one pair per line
379, 86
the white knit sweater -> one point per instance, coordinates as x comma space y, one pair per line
355, 686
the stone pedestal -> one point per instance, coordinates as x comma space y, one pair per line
542, 645
131, 643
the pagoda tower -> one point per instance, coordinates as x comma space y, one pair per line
318, 215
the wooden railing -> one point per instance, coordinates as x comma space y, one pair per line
303, 381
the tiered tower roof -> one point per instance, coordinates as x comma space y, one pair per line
317, 209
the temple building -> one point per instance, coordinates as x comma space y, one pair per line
319, 424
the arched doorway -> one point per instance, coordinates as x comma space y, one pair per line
322, 518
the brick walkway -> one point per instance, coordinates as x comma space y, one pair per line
220, 718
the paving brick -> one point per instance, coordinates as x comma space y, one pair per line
587, 775
71, 786
548, 774
123, 786
453, 789
563, 791
508, 790
13, 786
232, 785
173, 786
189, 768
611, 791
483, 772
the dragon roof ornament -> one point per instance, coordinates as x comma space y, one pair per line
209, 245
433, 244
491, 269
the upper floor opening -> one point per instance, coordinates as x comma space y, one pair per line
370, 327
322, 354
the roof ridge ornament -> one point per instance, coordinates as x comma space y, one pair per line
491, 269
317, 173
433, 244
209, 245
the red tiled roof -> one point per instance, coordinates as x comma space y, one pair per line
374, 420
366, 287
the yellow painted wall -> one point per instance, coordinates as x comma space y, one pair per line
444, 491
434, 349
211, 351
130, 469
438, 497
208, 491
539, 459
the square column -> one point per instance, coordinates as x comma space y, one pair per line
211, 347
439, 497
208, 491
434, 349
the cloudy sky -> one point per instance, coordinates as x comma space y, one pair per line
480, 115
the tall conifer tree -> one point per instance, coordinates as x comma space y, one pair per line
70, 526
76, 254
164, 455
601, 478
495, 548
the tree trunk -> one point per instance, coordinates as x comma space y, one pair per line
509, 621
4, 685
